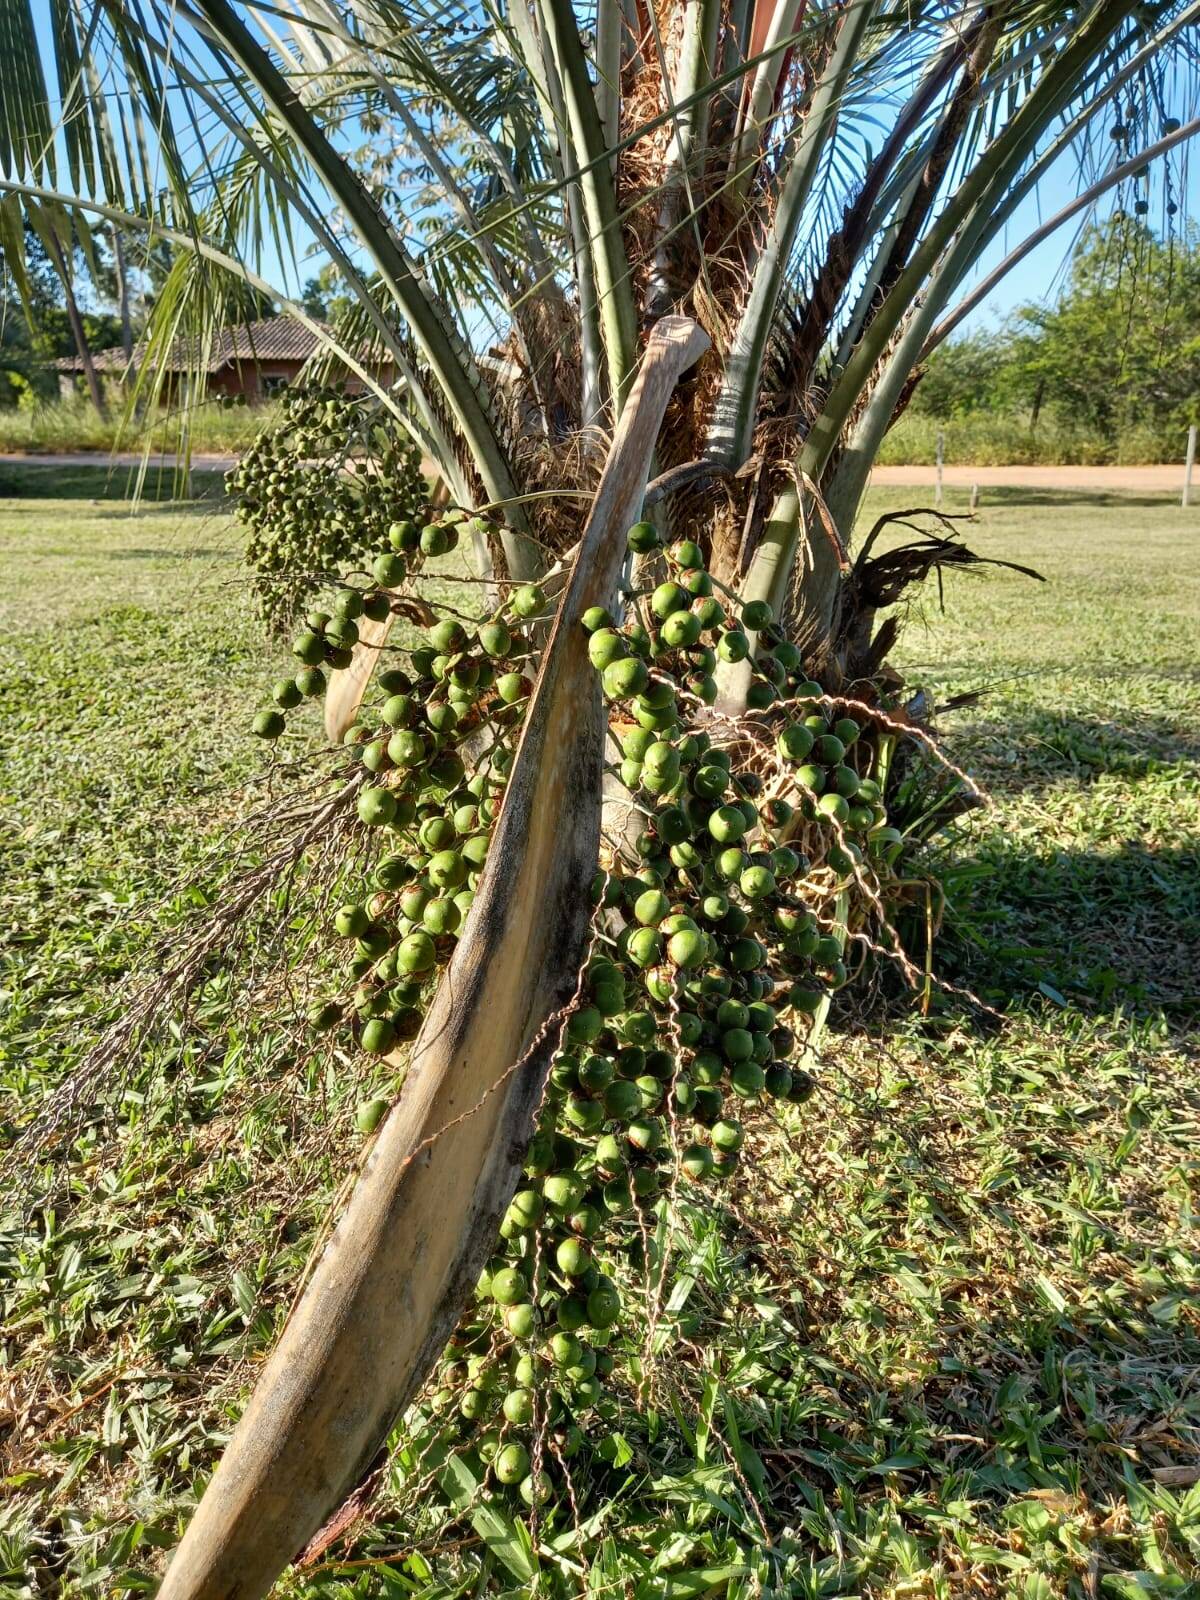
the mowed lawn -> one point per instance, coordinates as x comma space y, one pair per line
963, 1351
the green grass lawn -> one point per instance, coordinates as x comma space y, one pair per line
950, 1319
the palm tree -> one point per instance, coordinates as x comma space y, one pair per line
710, 246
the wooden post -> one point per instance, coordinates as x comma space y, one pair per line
941, 453
974, 497
1190, 463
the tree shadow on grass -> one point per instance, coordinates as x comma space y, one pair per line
1102, 929
1056, 747
187, 553
160, 486
1032, 495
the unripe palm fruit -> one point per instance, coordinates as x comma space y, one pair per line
681, 630
696, 1161
310, 681
286, 693
376, 806
378, 1036
389, 569
529, 600
415, 952
667, 598
269, 724
495, 639
512, 1463
625, 677
757, 615
606, 646
511, 687
642, 538
508, 1287
685, 553
603, 1306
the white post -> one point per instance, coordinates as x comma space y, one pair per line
941, 451
974, 496
1191, 462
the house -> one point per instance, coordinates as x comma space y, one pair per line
252, 361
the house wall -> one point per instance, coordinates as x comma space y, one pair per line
254, 382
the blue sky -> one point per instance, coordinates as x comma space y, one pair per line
1039, 276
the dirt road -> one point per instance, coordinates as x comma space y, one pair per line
1153, 480
1161, 480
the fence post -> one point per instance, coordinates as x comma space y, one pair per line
941, 452
974, 497
1191, 462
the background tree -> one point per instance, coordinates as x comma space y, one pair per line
1114, 351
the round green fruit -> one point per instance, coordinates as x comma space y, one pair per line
795, 742
416, 952
573, 1258
696, 1161
286, 693
311, 682
495, 639
529, 601
727, 824
606, 646
518, 1406
624, 678
376, 806
509, 1287
603, 1306
369, 1115
681, 630
378, 1036
747, 1080
757, 615
351, 921
687, 949
727, 1136
269, 724
520, 1320
512, 1463
389, 569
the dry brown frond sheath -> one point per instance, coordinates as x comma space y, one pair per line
398, 1269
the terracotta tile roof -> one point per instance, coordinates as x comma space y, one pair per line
271, 339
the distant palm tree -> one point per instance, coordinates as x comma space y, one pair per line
812, 182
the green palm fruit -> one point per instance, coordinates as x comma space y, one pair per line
269, 724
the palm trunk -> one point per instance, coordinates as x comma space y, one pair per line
393, 1280
82, 349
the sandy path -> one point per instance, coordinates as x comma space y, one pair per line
1160, 480
1163, 480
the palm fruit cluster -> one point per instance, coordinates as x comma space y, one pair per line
316, 493
715, 943
431, 817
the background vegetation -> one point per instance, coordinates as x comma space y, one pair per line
953, 1308
1108, 370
